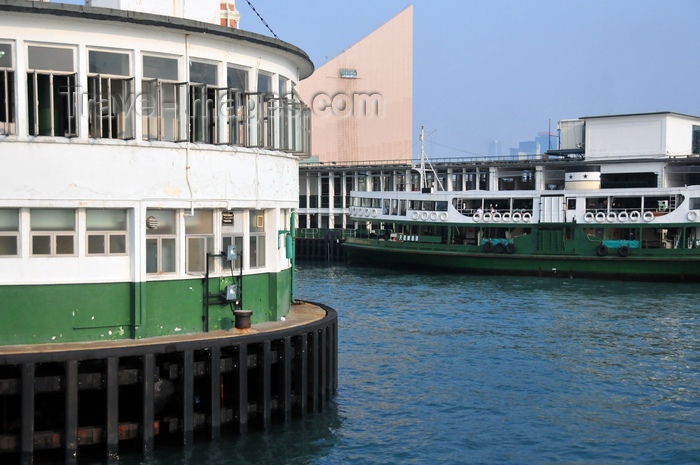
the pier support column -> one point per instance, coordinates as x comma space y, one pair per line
112, 426
215, 392
27, 409
266, 384
187, 379
71, 411
242, 363
147, 433
302, 368
286, 367
314, 372
323, 366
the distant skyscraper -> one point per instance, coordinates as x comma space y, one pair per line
495, 148
543, 142
547, 141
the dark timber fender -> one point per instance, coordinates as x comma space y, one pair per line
58, 398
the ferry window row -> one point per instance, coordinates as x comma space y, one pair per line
55, 232
201, 109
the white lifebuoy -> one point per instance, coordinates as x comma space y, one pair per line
477, 217
353, 211
588, 217
487, 216
366, 211
600, 217
692, 215
433, 216
506, 216
517, 216
634, 216
374, 213
443, 216
648, 216
527, 217
424, 216
612, 217
414, 215
623, 217
496, 216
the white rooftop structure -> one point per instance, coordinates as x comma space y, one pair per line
207, 11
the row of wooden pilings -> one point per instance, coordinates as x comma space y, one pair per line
57, 405
329, 248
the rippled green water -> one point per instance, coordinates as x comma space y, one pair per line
456, 369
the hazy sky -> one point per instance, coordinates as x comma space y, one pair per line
503, 69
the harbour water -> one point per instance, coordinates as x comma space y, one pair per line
460, 369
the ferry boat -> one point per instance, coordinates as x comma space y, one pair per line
147, 201
619, 198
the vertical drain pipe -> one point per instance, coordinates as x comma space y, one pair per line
187, 142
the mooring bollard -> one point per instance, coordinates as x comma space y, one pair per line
242, 318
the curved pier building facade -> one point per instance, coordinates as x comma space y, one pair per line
149, 187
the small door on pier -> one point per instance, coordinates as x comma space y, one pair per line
552, 209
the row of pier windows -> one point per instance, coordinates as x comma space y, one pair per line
54, 233
199, 110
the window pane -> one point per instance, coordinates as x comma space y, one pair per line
52, 220
168, 258
264, 83
257, 251
41, 245
109, 63
165, 220
160, 68
151, 255
201, 223
261, 250
8, 245
173, 103
9, 219
117, 243
257, 221
239, 247
50, 58
237, 78
253, 257
5, 56
96, 244
282, 86
204, 73
64, 245
196, 254
106, 220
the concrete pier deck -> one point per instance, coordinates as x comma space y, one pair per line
301, 313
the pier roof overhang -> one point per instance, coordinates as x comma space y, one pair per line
626, 115
295, 54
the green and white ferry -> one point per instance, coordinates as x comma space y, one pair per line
620, 198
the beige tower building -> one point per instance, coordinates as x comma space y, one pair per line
362, 100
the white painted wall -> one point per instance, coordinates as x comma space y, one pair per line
659, 135
199, 10
628, 136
